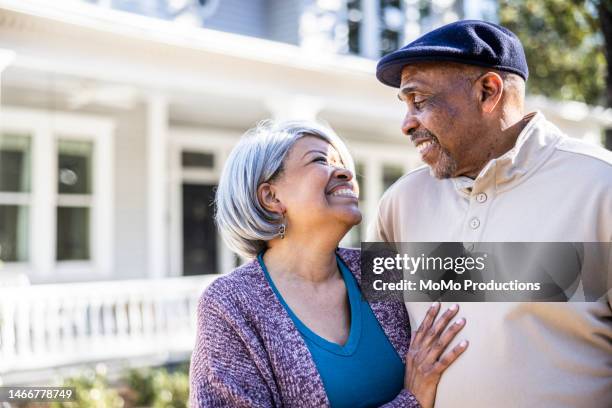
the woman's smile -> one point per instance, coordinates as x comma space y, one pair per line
345, 190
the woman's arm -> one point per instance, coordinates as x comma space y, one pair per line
222, 371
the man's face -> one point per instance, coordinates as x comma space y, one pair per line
442, 117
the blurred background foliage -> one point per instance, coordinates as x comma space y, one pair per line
160, 387
564, 45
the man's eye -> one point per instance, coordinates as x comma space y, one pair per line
320, 159
418, 103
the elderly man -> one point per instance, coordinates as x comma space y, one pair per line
495, 174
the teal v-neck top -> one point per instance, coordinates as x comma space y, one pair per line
364, 372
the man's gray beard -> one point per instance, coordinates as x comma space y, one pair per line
445, 167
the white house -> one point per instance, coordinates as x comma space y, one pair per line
116, 117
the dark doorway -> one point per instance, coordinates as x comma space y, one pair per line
199, 232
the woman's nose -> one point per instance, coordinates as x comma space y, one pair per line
344, 174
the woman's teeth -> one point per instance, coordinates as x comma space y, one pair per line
344, 192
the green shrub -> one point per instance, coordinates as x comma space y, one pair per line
148, 387
158, 387
92, 391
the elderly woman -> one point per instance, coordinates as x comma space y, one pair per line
290, 328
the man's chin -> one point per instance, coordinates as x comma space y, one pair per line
438, 174
440, 171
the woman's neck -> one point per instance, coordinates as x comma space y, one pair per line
308, 259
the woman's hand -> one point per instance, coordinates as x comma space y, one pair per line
424, 360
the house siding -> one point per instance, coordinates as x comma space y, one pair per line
284, 20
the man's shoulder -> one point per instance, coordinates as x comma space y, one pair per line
586, 152
586, 160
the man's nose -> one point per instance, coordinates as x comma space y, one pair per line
410, 124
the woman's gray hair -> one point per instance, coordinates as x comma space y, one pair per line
243, 222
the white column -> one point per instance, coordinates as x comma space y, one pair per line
372, 179
175, 185
103, 204
370, 35
227, 257
6, 58
157, 135
43, 208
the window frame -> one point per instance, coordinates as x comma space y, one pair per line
20, 198
46, 128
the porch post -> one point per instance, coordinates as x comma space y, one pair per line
6, 58
157, 199
373, 190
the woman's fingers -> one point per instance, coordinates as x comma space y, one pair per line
425, 325
426, 360
441, 343
438, 327
449, 358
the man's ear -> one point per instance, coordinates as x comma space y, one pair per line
490, 90
267, 197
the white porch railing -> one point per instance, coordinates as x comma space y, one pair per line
45, 326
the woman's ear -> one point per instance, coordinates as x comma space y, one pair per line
491, 89
267, 197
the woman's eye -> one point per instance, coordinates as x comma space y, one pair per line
320, 159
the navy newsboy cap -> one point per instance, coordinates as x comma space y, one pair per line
470, 42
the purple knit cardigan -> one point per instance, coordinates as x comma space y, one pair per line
248, 352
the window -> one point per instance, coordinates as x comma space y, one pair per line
375, 27
74, 188
354, 17
391, 173
198, 160
15, 158
56, 172
391, 25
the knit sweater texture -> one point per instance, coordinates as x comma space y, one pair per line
248, 352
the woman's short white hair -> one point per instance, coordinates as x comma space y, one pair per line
243, 222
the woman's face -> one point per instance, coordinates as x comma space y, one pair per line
315, 188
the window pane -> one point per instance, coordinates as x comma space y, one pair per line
74, 167
14, 163
200, 254
195, 159
13, 233
354, 17
390, 175
392, 21
72, 233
